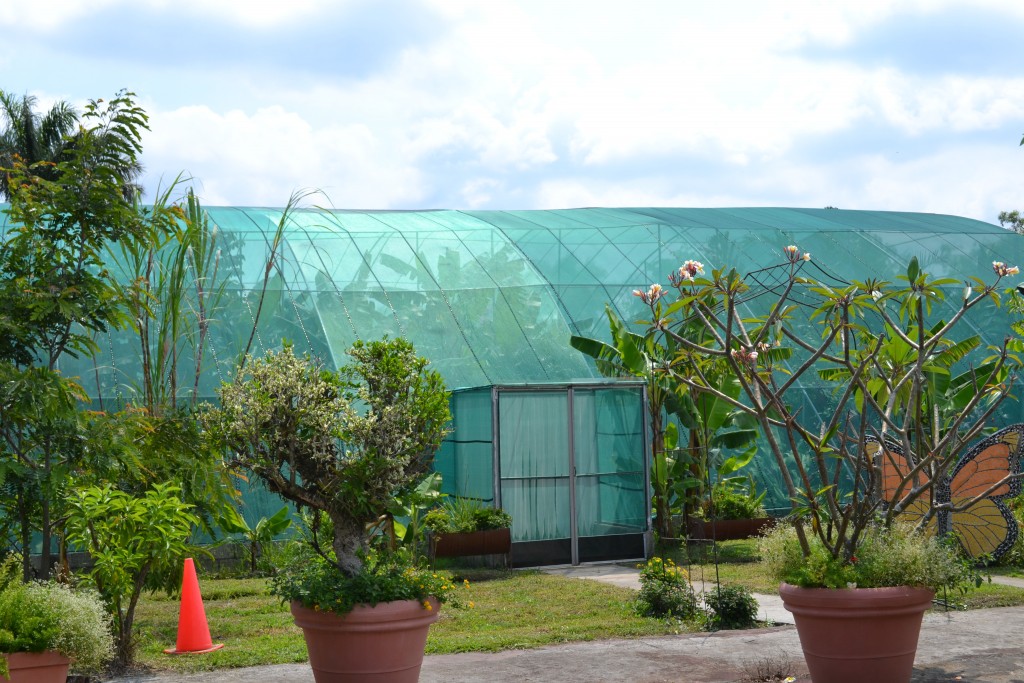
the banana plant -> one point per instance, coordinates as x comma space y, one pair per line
678, 473
260, 535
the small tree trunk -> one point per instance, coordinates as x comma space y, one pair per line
349, 540
26, 538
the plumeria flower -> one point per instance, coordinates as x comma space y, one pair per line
744, 356
691, 269
1002, 270
793, 254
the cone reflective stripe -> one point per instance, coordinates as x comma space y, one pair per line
193, 631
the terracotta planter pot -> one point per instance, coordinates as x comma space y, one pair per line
37, 667
858, 634
727, 529
491, 542
381, 644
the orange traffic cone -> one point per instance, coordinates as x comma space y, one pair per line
193, 631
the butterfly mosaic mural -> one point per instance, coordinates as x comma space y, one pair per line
986, 528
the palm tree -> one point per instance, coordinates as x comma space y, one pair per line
32, 136
35, 137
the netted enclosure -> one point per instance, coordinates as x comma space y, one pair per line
492, 298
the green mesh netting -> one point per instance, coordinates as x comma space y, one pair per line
492, 297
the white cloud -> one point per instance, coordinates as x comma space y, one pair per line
260, 158
48, 15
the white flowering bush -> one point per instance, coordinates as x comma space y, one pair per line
343, 444
38, 617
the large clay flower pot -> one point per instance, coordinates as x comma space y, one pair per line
858, 634
37, 667
381, 644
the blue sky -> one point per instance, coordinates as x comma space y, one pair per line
404, 104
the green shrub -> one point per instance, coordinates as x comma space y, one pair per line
898, 556
665, 591
463, 515
487, 519
49, 616
316, 583
728, 502
732, 607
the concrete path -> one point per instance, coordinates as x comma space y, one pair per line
980, 646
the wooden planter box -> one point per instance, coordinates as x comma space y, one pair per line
727, 529
492, 542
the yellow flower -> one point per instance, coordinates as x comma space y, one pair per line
465, 582
427, 606
472, 604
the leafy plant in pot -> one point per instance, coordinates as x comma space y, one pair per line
343, 445
909, 393
733, 508
462, 526
45, 627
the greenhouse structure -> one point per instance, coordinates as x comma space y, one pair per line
492, 298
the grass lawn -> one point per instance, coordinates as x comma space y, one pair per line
515, 610
511, 611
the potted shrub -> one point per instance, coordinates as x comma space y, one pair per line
867, 607
897, 392
732, 512
341, 446
45, 627
462, 526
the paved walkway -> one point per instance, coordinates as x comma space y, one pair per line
980, 646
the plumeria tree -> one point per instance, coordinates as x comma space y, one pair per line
908, 391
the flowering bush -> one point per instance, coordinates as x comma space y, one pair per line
665, 590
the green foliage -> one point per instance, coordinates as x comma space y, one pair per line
665, 590
1012, 220
53, 281
136, 543
49, 616
56, 294
38, 140
898, 556
316, 583
404, 521
261, 535
463, 515
732, 607
731, 502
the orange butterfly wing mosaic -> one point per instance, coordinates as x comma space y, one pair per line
986, 528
